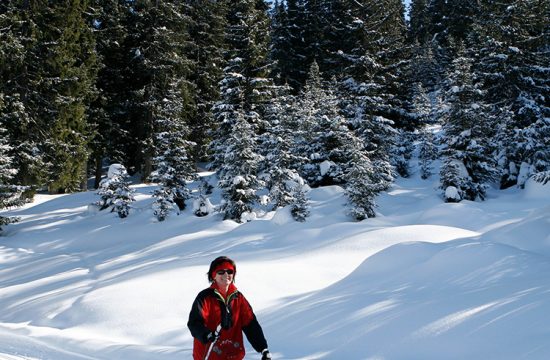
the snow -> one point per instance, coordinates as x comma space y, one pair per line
451, 193
325, 167
115, 170
424, 279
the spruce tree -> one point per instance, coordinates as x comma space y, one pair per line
115, 191
427, 153
402, 152
281, 163
110, 112
49, 84
452, 179
10, 194
245, 91
469, 129
238, 181
160, 42
64, 66
323, 132
513, 40
173, 164
16, 36
206, 50
289, 47
300, 209
361, 187
419, 21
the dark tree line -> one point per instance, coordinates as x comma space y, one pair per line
302, 93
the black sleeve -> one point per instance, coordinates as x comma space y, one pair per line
196, 320
255, 335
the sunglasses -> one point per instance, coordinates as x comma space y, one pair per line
228, 271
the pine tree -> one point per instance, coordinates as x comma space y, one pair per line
64, 66
239, 181
245, 88
173, 165
289, 48
300, 207
115, 191
376, 132
451, 20
109, 112
452, 180
279, 53
419, 21
201, 204
469, 128
16, 36
245, 91
10, 194
160, 44
424, 68
361, 187
206, 49
402, 152
314, 30
281, 164
323, 131
427, 153
513, 45
50, 83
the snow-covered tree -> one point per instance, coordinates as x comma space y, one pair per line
362, 187
281, 163
109, 112
157, 45
173, 167
289, 47
452, 180
201, 204
300, 206
427, 153
402, 152
245, 88
323, 132
115, 191
207, 22
377, 137
238, 181
10, 195
48, 67
513, 41
469, 129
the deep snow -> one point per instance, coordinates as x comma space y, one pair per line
423, 280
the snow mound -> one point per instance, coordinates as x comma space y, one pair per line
530, 234
401, 303
282, 216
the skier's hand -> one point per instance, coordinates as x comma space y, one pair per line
266, 355
212, 336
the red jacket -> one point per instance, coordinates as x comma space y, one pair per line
235, 315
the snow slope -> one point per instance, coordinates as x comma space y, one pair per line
423, 280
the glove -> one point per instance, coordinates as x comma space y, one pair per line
212, 336
266, 355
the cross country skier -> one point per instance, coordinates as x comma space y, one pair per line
219, 316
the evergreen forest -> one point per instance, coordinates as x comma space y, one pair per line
275, 97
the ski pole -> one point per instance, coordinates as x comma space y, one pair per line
218, 329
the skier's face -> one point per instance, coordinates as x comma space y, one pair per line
224, 277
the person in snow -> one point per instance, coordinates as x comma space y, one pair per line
222, 304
